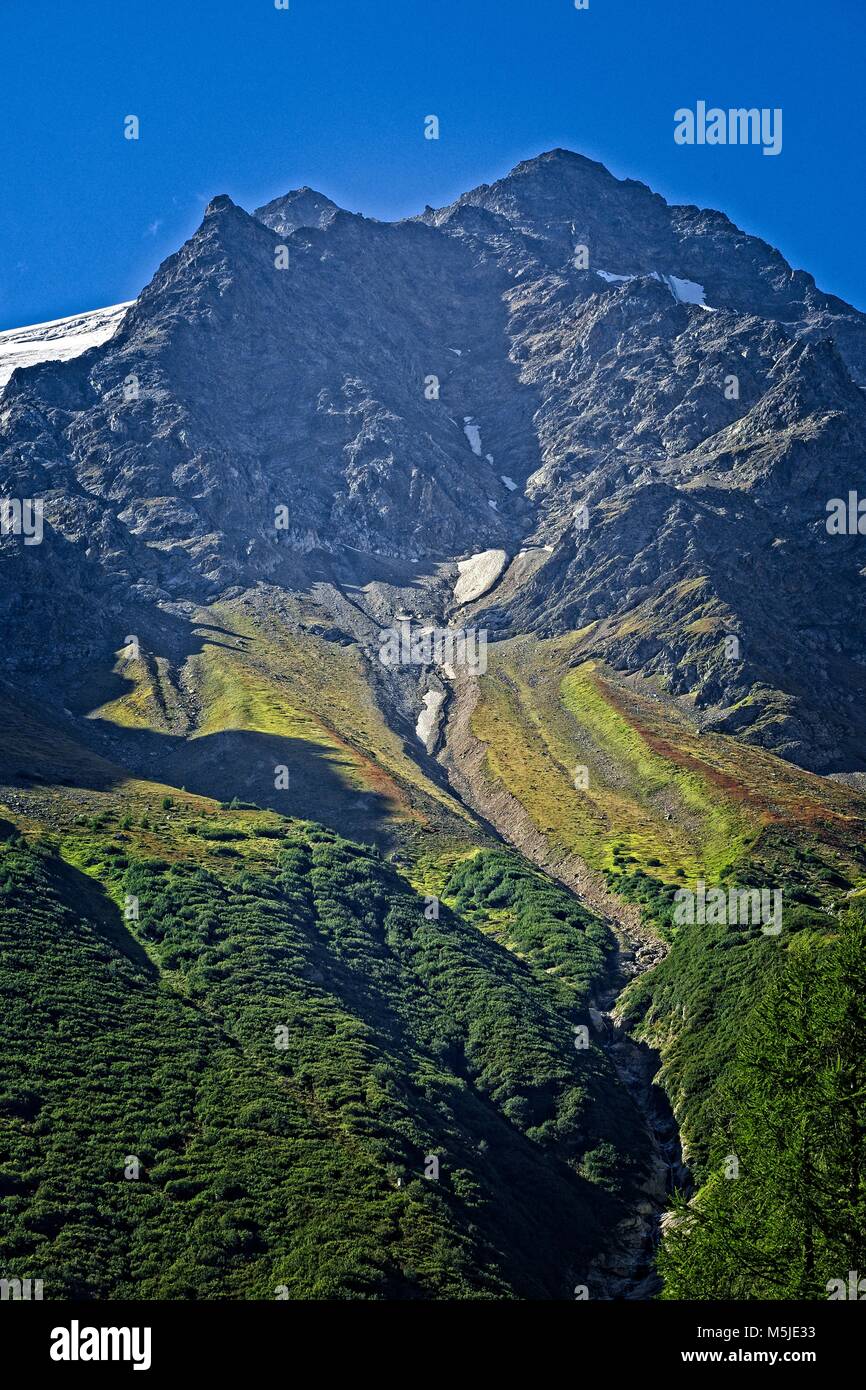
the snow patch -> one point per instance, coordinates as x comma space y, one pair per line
478, 574
473, 434
509, 482
685, 291
58, 340
426, 725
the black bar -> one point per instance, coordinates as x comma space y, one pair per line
226, 1338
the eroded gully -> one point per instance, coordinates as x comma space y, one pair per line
626, 1268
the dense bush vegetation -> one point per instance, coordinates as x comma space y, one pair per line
782, 1213
561, 939
278, 1053
764, 1039
246, 1084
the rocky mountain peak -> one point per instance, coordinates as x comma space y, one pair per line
301, 207
407, 395
220, 203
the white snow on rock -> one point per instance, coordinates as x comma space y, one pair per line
509, 482
426, 724
58, 340
489, 458
459, 351
685, 291
478, 574
473, 434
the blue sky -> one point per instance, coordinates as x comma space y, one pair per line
236, 96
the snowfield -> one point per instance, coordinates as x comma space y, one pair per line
59, 340
473, 434
426, 725
478, 574
683, 291
686, 291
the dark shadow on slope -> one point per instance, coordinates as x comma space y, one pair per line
90, 899
244, 764
234, 763
47, 747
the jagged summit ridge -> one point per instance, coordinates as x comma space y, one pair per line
413, 394
301, 207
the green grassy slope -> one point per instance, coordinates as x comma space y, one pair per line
658, 798
255, 695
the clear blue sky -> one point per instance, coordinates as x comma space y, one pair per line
236, 96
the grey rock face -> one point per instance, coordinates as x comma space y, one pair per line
304, 207
557, 359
